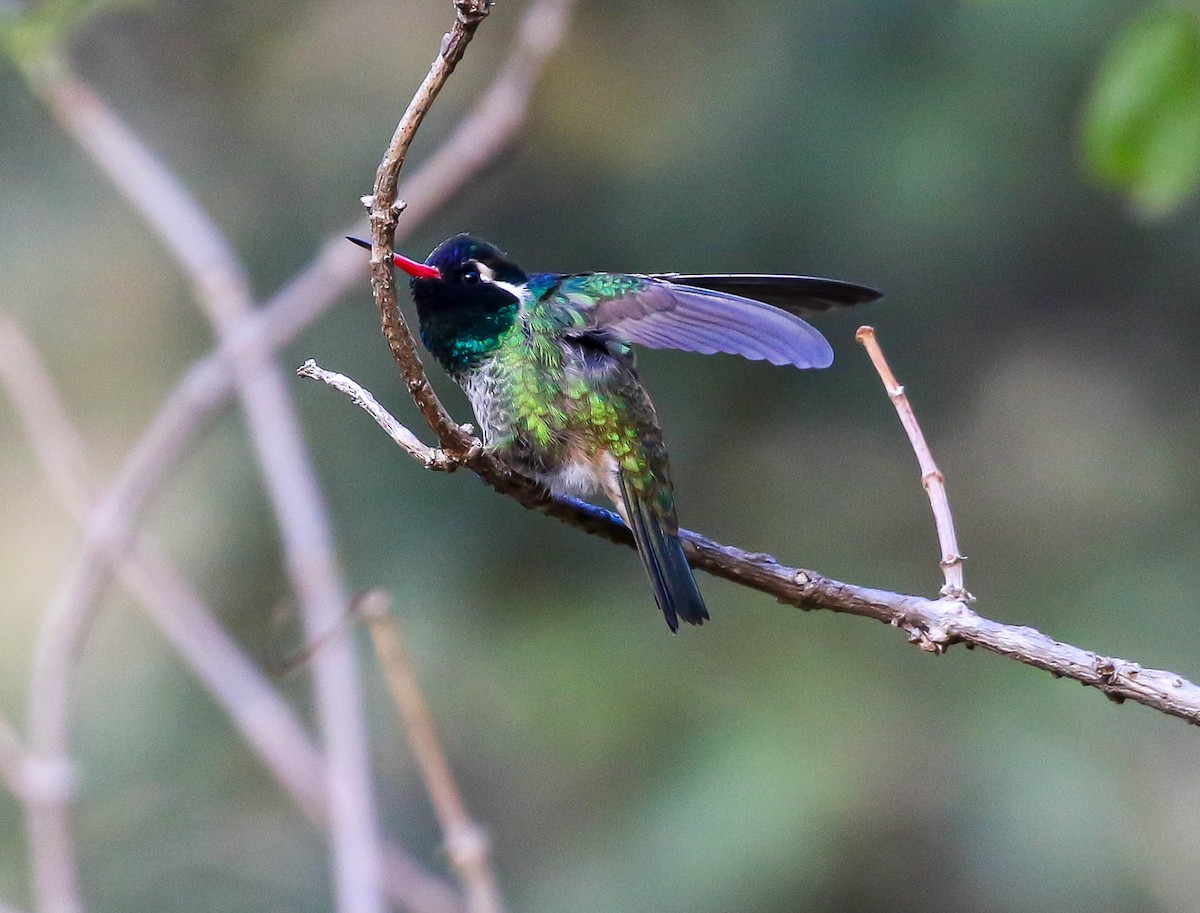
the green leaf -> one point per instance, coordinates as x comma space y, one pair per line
1141, 125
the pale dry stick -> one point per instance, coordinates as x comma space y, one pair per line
401, 436
267, 723
932, 625
932, 479
466, 843
224, 293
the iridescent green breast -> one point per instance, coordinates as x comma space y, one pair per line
554, 400
463, 336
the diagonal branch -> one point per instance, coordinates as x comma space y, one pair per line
466, 842
224, 293
267, 723
932, 625
932, 479
385, 207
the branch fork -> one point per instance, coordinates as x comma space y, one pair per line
932, 625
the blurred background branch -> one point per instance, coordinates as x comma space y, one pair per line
12, 756
254, 706
466, 843
223, 290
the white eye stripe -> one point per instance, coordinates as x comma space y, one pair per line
516, 291
486, 273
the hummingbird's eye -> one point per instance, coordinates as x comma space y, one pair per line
475, 272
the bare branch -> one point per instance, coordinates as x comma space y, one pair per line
385, 206
932, 625
466, 843
223, 290
401, 436
264, 719
932, 479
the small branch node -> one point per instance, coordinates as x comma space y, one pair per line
933, 477
957, 594
931, 640
382, 216
473, 10
439, 460
373, 605
1112, 671
398, 207
46, 780
368, 201
467, 844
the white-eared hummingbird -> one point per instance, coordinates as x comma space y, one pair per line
546, 360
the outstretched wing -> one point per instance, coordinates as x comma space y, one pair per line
664, 312
797, 294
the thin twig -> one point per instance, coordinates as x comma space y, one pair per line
224, 292
932, 625
384, 207
466, 843
430, 457
932, 479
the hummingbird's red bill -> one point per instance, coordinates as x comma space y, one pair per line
414, 268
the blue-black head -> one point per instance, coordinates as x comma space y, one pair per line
467, 293
461, 271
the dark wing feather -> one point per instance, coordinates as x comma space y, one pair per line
796, 294
664, 314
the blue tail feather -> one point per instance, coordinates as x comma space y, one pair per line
661, 552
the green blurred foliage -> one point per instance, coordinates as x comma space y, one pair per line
31, 33
774, 760
1142, 123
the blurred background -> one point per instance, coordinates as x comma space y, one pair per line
1044, 322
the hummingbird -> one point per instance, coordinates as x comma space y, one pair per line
547, 362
